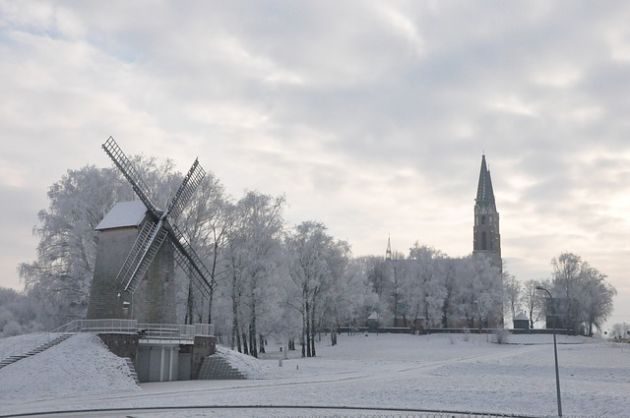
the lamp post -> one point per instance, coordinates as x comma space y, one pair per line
555, 353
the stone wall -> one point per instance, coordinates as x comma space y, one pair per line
203, 347
112, 248
123, 345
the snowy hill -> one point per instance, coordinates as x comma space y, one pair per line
80, 365
247, 365
20, 344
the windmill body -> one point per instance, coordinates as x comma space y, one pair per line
154, 299
139, 244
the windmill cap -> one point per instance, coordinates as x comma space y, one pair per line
123, 215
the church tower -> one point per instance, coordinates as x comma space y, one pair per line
486, 236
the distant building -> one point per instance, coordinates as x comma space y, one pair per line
521, 321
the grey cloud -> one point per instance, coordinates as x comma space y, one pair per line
343, 108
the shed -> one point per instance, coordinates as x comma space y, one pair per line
521, 321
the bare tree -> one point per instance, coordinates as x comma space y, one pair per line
532, 300
511, 293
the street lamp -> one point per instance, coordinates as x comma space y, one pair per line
555, 353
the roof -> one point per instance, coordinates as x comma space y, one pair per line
485, 194
521, 316
123, 215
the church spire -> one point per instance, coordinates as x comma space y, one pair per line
388, 252
486, 234
485, 194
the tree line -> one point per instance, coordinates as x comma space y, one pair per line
271, 280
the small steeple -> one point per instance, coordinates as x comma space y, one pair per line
388, 252
485, 194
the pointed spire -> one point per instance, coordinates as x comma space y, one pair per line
485, 194
388, 252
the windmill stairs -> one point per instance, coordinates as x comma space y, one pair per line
217, 367
132, 369
17, 357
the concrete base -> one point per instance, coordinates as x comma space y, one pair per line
157, 362
164, 360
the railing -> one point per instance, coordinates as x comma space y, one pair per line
167, 331
102, 326
144, 330
204, 330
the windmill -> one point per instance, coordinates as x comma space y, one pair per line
151, 240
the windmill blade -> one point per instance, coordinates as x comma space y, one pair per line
148, 242
191, 181
128, 170
189, 261
195, 277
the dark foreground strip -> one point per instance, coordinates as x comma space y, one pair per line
331, 407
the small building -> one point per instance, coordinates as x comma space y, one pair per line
373, 321
521, 321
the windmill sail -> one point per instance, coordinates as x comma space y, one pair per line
128, 170
157, 229
189, 261
191, 181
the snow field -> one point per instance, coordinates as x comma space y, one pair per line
441, 371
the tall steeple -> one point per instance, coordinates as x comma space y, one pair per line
486, 234
388, 252
485, 194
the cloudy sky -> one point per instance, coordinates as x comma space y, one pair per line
368, 116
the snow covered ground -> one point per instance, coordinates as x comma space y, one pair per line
456, 372
81, 365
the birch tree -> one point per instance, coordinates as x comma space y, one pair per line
316, 260
253, 254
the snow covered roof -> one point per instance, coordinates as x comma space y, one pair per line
373, 315
123, 215
521, 316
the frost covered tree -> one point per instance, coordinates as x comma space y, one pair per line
588, 298
450, 286
63, 270
596, 299
19, 313
360, 297
532, 300
205, 221
511, 294
425, 285
395, 295
316, 262
376, 274
478, 293
253, 254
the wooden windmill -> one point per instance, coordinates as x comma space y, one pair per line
138, 247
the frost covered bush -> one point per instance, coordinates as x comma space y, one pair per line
501, 336
466, 336
11, 328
